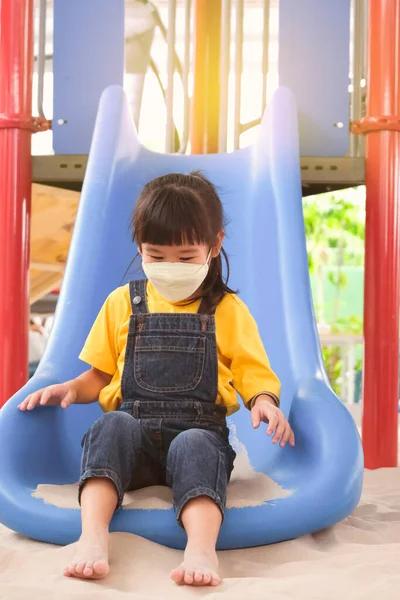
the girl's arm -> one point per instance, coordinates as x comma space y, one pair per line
100, 352
249, 363
253, 377
82, 390
89, 385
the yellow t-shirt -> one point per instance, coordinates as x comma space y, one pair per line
243, 365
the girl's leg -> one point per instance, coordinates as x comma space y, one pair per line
198, 468
201, 519
112, 458
98, 501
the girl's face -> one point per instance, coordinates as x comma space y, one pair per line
187, 253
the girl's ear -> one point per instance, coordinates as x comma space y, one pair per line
217, 247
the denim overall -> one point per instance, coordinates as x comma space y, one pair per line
168, 429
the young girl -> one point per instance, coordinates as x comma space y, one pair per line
167, 357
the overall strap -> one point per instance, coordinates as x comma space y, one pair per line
137, 293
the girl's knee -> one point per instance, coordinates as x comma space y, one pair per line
112, 426
116, 421
191, 439
194, 446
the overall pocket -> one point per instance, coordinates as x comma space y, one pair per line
171, 363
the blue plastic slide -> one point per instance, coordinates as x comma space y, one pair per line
261, 190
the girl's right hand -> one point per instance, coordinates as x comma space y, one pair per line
63, 394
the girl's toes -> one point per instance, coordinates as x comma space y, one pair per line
101, 569
198, 577
178, 575
79, 568
88, 570
189, 577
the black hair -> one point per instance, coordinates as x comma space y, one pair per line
177, 209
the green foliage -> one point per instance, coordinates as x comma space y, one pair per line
334, 225
338, 279
333, 365
352, 324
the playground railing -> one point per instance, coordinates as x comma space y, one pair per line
349, 352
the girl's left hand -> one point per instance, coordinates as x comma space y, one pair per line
265, 410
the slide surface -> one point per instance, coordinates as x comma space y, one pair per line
320, 479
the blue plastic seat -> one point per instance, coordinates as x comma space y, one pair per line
261, 190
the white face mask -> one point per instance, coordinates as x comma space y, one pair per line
176, 281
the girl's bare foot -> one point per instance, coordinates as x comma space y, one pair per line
198, 568
91, 558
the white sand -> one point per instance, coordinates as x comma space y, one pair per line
357, 559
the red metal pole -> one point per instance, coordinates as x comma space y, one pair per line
206, 76
16, 64
382, 274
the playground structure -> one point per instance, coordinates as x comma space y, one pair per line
271, 240
324, 138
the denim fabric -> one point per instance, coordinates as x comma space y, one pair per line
136, 453
168, 429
